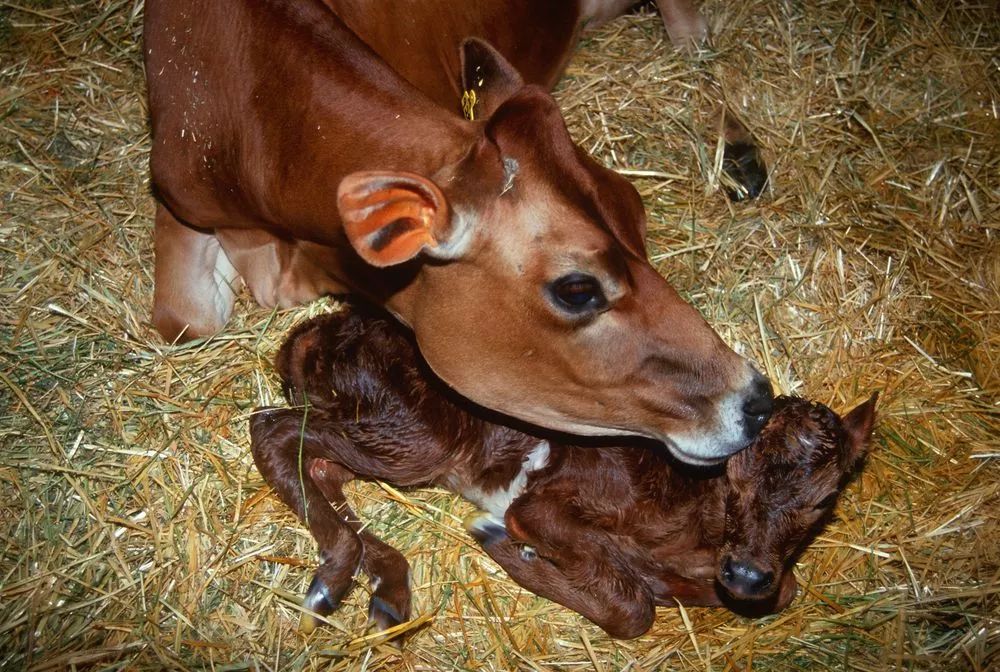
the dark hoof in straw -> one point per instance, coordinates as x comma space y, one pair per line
383, 614
486, 530
742, 162
319, 600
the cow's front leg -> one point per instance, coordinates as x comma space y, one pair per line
279, 272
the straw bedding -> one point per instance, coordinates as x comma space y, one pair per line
136, 534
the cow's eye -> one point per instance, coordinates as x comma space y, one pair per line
578, 293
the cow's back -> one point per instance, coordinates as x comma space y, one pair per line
259, 109
420, 39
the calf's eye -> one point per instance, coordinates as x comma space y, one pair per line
578, 293
827, 502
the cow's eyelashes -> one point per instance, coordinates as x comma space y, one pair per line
578, 293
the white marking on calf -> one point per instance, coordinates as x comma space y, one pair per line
495, 503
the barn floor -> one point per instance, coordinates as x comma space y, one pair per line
136, 534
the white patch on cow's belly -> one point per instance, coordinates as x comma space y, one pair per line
496, 502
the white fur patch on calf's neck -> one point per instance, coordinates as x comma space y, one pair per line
496, 502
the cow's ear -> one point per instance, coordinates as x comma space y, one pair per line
859, 424
390, 218
488, 79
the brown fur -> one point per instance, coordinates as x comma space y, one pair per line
287, 155
538, 37
607, 531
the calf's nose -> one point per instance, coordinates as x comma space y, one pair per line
757, 406
744, 579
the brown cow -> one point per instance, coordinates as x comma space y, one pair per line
609, 532
287, 155
420, 40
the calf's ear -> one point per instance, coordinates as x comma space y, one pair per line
390, 218
488, 79
859, 424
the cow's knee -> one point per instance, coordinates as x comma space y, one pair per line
195, 284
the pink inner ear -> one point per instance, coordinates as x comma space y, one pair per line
390, 218
386, 215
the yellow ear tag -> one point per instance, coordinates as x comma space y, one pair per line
469, 101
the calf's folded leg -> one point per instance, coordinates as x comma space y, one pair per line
386, 567
282, 447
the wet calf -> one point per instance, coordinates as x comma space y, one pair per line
609, 532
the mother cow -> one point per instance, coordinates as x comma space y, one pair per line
288, 155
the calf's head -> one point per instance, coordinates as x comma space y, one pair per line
781, 491
533, 294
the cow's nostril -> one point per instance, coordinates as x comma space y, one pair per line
758, 405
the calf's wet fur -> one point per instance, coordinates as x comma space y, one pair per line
608, 531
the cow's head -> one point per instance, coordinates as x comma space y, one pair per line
535, 297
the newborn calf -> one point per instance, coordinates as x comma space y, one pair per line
609, 532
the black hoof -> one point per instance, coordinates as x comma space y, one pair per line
742, 162
486, 530
384, 614
319, 600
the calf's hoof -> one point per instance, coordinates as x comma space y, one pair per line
486, 529
742, 162
385, 615
320, 600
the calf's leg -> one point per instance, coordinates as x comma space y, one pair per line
741, 159
685, 25
283, 447
386, 567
